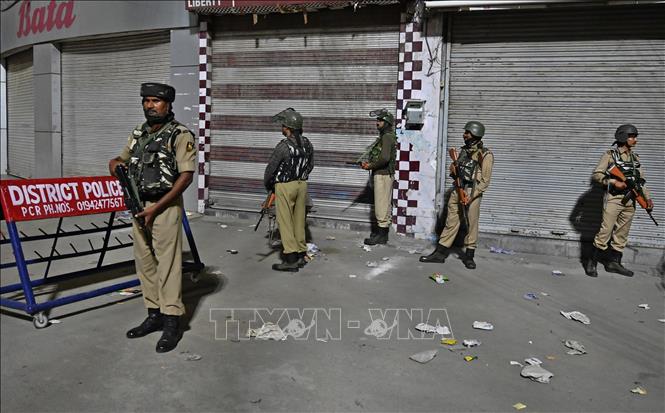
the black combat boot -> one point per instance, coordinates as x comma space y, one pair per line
467, 259
379, 237
171, 335
372, 235
154, 322
290, 263
302, 259
439, 255
613, 263
592, 262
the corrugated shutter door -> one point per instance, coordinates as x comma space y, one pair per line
332, 74
101, 80
21, 115
551, 88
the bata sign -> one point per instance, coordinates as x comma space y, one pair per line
28, 199
45, 18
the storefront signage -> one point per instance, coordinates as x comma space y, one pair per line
193, 5
28, 199
34, 20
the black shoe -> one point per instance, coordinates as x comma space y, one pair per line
154, 322
171, 335
290, 263
302, 261
592, 262
372, 235
379, 237
467, 259
439, 255
614, 263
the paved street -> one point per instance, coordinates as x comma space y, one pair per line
355, 356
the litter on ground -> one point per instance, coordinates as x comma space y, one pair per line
639, 390
424, 356
644, 306
531, 296
536, 373
232, 251
577, 316
533, 361
352, 276
519, 406
557, 273
499, 250
223, 226
385, 258
449, 341
439, 278
470, 358
576, 348
312, 248
516, 363
426, 328
268, 331
471, 343
366, 248
330, 238
372, 264
483, 325
190, 356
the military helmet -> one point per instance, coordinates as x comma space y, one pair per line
384, 115
476, 128
289, 118
621, 135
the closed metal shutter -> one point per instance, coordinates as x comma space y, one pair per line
101, 81
21, 115
333, 73
551, 88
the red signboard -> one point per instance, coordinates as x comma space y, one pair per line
28, 199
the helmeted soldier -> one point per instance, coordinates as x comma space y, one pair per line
287, 172
619, 208
475, 164
381, 161
161, 158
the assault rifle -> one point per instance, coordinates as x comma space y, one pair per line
133, 202
457, 182
634, 191
364, 157
265, 207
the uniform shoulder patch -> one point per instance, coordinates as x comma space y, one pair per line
190, 146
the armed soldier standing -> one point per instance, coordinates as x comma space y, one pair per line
619, 208
286, 173
475, 165
161, 157
381, 161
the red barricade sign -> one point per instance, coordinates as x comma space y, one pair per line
28, 199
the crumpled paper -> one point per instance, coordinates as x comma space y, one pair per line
268, 331
536, 373
577, 316
424, 356
575, 346
471, 343
426, 328
483, 325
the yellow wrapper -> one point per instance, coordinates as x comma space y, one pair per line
470, 358
449, 341
519, 406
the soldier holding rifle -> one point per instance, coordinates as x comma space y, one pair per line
472, 172
622, 174
160, 160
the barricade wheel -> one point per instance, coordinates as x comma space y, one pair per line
40, 320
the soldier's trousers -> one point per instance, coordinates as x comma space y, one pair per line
617, 219
454, 219
383, 196
290, 203
161, 275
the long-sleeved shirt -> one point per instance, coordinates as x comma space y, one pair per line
289, 162
381, 166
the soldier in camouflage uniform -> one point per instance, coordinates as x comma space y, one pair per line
609, 243
161, 157
381, 161
475, 162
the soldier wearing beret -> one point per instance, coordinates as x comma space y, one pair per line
160, 156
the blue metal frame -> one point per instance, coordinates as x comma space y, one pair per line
26, 285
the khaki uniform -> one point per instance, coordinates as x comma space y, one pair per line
290, 204
161, 275
382, 164
617, 218
482, 176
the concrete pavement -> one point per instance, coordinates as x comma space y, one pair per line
355, 356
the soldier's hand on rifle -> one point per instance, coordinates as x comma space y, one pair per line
113, 163
618, 184
452, 169
649, 207
365, 165
148, 214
